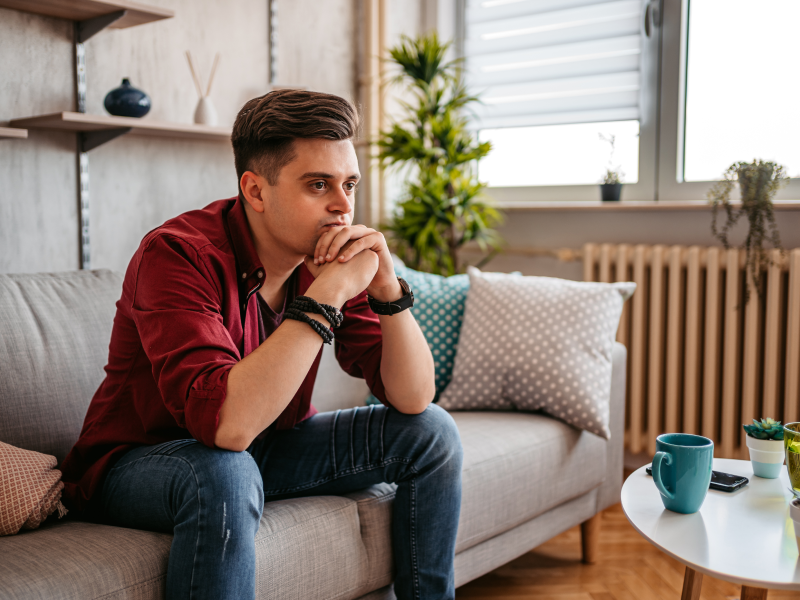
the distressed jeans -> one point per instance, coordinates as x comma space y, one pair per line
212, 499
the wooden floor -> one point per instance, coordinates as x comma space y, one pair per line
629, 568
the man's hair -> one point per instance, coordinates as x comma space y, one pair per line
266, 127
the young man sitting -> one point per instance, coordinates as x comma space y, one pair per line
205, 412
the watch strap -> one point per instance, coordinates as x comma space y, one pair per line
392, 308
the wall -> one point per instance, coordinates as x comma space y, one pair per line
137, 183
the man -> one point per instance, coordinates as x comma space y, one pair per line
205, 410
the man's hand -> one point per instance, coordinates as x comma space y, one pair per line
341, 244
337, 282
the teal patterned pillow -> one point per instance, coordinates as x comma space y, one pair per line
439, 310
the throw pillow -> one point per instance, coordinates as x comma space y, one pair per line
538, 344
30, 489
439, 310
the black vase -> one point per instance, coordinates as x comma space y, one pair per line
610, 191
127, 101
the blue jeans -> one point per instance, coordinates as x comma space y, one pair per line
211, 499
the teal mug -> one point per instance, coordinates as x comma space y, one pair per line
682, 470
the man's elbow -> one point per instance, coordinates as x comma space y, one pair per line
234, 441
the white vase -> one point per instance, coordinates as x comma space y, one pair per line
766, 456
205, 113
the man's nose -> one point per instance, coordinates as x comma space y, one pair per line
341, 202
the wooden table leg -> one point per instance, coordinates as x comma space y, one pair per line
751, 593
692, 582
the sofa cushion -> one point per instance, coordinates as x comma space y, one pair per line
518, 466
56, 329
305, 548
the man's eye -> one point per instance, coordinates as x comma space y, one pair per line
318, 185
350, 186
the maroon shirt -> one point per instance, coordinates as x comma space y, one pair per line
189, 311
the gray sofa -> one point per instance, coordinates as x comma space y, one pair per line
526, 477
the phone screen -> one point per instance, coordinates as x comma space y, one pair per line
726, 478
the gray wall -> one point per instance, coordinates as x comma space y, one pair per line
137, 183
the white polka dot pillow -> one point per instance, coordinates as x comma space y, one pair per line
538, 344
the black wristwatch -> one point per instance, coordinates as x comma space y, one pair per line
392, 308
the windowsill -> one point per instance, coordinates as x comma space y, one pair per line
626, 205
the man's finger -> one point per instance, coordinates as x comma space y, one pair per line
331, 245
357, 246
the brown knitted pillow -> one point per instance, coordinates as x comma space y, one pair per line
30, 489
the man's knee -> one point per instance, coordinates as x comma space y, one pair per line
437, 428
230, 482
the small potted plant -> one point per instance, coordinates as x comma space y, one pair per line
765, 442
611, 186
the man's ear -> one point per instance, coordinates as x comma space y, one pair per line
253, 188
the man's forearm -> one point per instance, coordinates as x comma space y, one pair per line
262, 384
406, 364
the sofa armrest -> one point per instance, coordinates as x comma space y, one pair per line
609, 491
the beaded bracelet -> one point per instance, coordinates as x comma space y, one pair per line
331, 313
298, 315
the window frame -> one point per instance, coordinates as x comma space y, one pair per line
661, 122
675, 33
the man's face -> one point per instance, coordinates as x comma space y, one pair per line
312, 193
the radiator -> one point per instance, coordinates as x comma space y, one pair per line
700, 360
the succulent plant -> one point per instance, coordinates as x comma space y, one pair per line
767, 429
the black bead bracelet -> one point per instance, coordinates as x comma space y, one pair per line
298, 315
309, 305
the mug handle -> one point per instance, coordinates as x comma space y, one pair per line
657, 473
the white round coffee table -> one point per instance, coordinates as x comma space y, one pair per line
744, 537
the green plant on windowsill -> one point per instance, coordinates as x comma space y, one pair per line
611, 185
443, 206
758, 182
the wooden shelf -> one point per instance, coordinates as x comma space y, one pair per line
11, 132
81, 10
85, 123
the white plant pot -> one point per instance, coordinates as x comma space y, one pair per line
205, 113
766, 456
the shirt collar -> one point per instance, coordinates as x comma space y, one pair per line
250, 271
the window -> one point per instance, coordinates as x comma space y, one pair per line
554, 76
686, 88
746, 105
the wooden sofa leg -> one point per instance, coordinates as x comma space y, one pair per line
590, 539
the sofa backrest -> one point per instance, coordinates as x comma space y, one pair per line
54, 334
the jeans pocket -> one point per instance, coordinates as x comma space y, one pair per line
168, 448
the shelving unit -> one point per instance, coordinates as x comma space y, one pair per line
13, 133
91, 17
82, 10
95, 130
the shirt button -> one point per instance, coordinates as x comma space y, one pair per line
260, 274
244, 275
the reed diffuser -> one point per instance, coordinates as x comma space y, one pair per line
205, 113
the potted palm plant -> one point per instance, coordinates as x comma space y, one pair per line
443, 206
758, 182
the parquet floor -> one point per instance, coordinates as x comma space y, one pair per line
629, 568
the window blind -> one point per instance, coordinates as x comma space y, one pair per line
549, 62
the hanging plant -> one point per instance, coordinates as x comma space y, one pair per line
444, 207
758, 183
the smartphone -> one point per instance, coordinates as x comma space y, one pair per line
724, 482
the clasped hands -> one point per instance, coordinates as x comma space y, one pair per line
349, 259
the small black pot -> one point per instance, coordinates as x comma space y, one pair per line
127, 101
610, 191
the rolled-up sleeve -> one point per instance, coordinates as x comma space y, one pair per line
176, 307
359, 344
